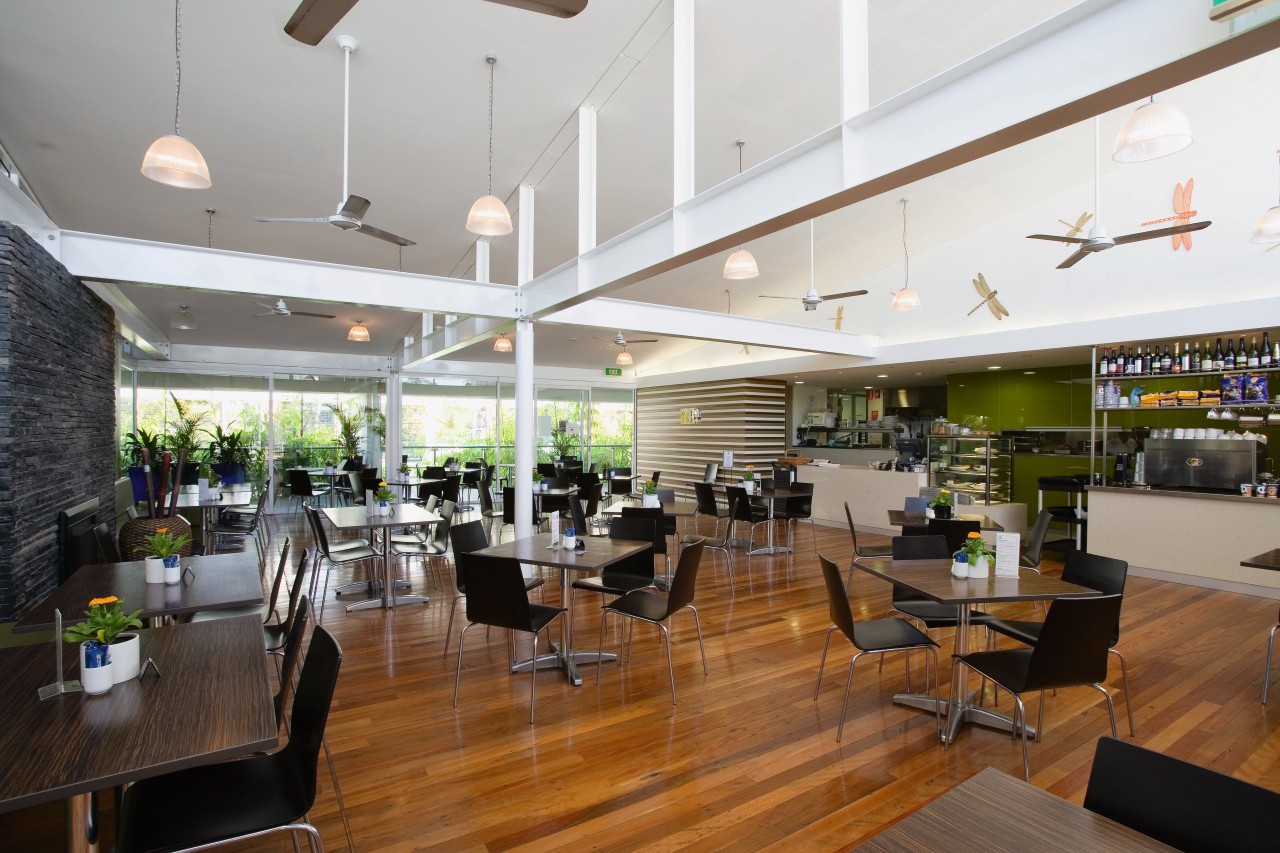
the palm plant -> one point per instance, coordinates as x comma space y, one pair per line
350, 419
139, 440
183, 429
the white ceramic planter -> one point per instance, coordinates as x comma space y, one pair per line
651, 501
980, 567
960, 569
172, 569
98, 679
155, 569
384, 508
125, 657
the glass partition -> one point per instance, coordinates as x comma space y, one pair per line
447, 417
326, 419
612, 427
562, 422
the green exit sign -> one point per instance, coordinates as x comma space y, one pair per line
613, 371
1220, 10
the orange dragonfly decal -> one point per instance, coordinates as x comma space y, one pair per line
1182, 214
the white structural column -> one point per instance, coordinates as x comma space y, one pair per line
526, 414
395, 391
482, 260
683, 102
586, 179
855, 74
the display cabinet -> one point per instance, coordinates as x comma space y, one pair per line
980, 466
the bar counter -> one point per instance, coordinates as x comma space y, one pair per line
1187, 537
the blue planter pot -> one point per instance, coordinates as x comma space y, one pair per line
229, 474
137, 478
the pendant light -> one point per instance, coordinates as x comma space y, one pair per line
905, 299
489, 217
741, 264
1155, 130
358, 333
1268, 228
172, 159
502, 343
624, 358
184, 320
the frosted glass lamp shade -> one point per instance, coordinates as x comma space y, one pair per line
1154, 130
184, 319
173, 160
741, 265
358, 333
489, 217
624, 358
1268, 228
905, 299
502, 344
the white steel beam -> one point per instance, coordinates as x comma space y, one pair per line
1052, 76
682, 102
586, 179
119, 259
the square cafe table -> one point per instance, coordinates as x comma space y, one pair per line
217, 582
73, 745
538, 550
770, 496
359, 518
933, 580
903, 518
236, 495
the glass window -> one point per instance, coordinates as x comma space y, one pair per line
448, 417
612, 424
323, 419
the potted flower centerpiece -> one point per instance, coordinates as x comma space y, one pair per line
537, 480
383, 497
749, 479
977, 554
405, 470
165, 548
108, 655
942, 504
649, 494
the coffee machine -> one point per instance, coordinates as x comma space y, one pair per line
1124, 469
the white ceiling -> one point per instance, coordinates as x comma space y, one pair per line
86, 87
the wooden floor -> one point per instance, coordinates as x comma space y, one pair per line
747, 760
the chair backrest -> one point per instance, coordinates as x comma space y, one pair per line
108, 552
684, 583
1105, 574
554, 482
468, 537
428, 490
1073, 643
920, 548
292, 649
666, 496
739, 503
431, 503
706, 498
1178, 803
449, 490
955, 530
1035, 541
356, 485
766, 482
270, 606
639, 528
578, 516
369, 482
310, 712
711, 472
659, 519
547, 469
508, 505
486, 496
853, 531
450, 460
595, 492
837, 599
440, 533
657, 475
801, 506
300, 483
434, 472
474, 464
915, 504
317, 528
295, 589
496, 593
619, 485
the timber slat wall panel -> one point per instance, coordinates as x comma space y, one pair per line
747, 416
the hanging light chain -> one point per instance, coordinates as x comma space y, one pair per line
177, 55
211, 212
741, 143
906, 258
493, 61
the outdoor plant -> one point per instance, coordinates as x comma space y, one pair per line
162, 544
943, 498
383, 495
563, 442
350, 420
975, 546
142, 439
187, 423
229, 448
104, 620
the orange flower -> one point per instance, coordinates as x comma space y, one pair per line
974, 535
162, 530
110, 599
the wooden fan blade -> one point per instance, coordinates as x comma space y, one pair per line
1057, 238
1075, 258
642, 341
309, 314
355, 206
1162, 232
766, 296
291, 218
844, 295
385, 235
554, 8
313, 19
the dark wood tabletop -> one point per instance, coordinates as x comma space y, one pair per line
534, 550
1266, 560
993, 811
357, 517
212, 702
902, 517
771, 494
215, 582
933, 579
676, 508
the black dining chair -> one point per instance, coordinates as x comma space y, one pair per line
875, 637
497, 596
955, 530
926, 612
301, 487
432, 547
704, 494
247, 797
861, 550
644, 606
659, 518
468, 538
109, 552
556, 503
721, 543
354, 551
797, 509
509, 510
634, 572
1072, 651
1175, 802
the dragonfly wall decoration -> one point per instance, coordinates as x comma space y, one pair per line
1081, 222
1182, 214
839, 318
988, 299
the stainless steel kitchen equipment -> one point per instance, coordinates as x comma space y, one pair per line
1203, 463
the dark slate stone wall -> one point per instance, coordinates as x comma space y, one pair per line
57, 413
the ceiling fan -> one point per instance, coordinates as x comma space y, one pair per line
350, 213
1098, 241
313, 19
811, 299
620, 341
279, 309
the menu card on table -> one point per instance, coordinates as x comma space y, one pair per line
1008, 549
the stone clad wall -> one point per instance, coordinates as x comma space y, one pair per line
57, 413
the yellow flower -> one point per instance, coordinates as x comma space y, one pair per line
383, 484
110, 599
945, 491
974, 535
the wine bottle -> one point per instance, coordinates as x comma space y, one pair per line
1115, 360
1176, 366
1102, 362
1146, 359
1195, 359
1252, 360
1229, 362
1219, 358
1166, 361
1264, 357
1130, 363
1186, 357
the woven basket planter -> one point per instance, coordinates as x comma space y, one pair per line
135, 532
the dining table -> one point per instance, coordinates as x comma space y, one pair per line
596, 554
236, 495
995, 812
1265, 560
679, 509
214, 582
770, 498
353, 518
933, 580
908, 518
407, 482
182, 712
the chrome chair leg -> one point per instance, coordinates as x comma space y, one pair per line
1020, 716
1111, 707
1124, 679
457, 678
844, 707
1266, 675
826, 643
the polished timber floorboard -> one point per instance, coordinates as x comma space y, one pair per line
746, 760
